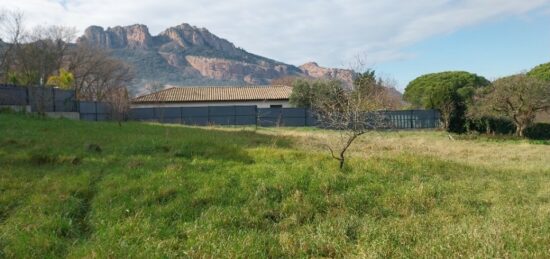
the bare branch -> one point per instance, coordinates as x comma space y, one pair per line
351, 113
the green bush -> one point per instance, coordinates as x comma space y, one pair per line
499, 126
539, 131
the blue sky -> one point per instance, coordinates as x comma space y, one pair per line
494, 49
401, 39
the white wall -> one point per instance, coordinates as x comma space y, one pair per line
259, 104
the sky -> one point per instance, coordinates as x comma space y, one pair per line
400, 39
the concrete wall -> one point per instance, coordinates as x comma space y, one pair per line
27, 108
259, 104
17, 108
66, 115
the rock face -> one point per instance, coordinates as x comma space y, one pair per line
186, 36
131, 37
312, 69
187, 55
231, 70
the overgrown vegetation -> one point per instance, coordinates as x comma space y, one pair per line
516, 98
78, 189
351, 110
469, 102
46, 56
449, 92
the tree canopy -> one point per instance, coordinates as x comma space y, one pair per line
306, 92
541, 72
518, 98
429, 90
446, 91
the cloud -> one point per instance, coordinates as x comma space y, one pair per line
327, 31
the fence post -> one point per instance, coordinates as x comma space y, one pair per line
53, 99
256, 115
95, 106
305, 117
76, 105
27, 97
411, 119
436, 118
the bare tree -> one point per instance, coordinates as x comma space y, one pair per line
393, 99
352, 113
41, 99
96, 75
11, 38
447, 108
119, 103
48, 47
43, 54
31, 56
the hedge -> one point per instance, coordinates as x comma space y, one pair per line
538, 131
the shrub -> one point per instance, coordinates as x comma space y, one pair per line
499, 126
539, 131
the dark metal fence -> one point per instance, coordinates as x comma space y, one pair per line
13, 95
40, 99
94, 111
48, 99
284, 117
414, 119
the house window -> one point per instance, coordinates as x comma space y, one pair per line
276, 106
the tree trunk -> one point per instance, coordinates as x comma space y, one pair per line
342, 160
520, 128
487, 127
446, 122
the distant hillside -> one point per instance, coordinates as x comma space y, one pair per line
187, 55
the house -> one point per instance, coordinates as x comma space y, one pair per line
259, 96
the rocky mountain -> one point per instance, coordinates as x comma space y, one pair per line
312, 69
187, 55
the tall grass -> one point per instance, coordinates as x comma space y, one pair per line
155, 191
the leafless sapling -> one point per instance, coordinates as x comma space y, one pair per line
351, 113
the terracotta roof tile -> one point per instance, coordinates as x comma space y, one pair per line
214, 94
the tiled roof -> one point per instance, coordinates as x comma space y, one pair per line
215, 94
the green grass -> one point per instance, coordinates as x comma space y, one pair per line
156, 191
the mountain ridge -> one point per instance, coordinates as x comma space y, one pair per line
188, 55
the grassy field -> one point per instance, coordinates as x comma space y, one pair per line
82, 189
